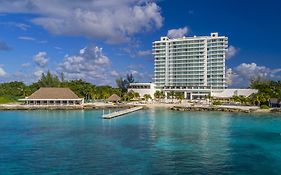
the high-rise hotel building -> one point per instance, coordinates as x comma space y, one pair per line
194, 66
190, 62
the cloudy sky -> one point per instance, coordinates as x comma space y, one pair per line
100, 40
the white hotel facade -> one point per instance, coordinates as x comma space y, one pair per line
190, 61
190, 64
194, 66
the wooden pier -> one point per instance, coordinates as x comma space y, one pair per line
122, 112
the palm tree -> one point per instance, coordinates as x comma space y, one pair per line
146, 97
172, 94
261, 98
159, 95
236, 98
179, 96
136, 95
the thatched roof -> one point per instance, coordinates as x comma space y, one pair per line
113, 98
53, 93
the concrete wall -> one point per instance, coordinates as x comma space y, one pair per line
228, 93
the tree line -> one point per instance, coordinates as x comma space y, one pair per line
12, 91
267, 89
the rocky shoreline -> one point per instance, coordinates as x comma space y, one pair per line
124, 106
72, 107
224, 109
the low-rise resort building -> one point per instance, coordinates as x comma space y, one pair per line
143, 89
53, 96
274, 102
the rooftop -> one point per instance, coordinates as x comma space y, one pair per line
212, 35
53, 93
141, 83
114, 98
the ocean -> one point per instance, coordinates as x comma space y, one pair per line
153, 141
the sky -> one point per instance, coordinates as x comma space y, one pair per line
101, 40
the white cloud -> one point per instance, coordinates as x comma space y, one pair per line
244, 73
144, 53
25, 65
111, 20
140, 73
38, 73
26, 38
21, 26
130, 51
2, 72
115, 73
177, 33
228, 76
231, 52
90, 64
40, 59
58, 48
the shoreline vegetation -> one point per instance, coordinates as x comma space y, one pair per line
95, 96
175, 107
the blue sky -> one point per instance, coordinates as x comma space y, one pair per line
99, 41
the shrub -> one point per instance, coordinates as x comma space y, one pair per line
217, 103
7, 99
264, 107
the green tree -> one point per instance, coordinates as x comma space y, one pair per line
261, 99
266, 89
15, 89
81, 88
123, 84
136, 95
49, 80
129, 79
179, 96
128, 96
103, 92
172, 95
62, 78
147, 97
12, 91
159, 95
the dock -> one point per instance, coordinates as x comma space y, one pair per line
121, 112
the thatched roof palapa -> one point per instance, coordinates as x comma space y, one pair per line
53, 93
114, 98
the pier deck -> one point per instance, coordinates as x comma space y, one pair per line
122, 112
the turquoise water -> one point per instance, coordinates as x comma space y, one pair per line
145, 142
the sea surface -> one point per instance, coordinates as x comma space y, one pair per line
155, 141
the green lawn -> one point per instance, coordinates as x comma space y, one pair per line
7, 99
